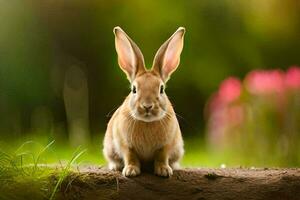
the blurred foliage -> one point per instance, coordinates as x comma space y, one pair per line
58, 68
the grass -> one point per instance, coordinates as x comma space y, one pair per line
22, 167
66, 170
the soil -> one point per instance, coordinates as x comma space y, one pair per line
199, 184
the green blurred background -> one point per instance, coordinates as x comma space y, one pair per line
59, 77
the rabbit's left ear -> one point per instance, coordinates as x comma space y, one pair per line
167, 57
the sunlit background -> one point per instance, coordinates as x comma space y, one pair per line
236, 91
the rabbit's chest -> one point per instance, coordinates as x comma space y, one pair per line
146, 142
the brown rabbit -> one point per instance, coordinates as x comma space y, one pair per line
144, 128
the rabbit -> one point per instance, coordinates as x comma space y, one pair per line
145, 128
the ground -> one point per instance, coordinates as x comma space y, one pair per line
190, 183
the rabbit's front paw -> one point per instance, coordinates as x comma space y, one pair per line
115, 166
131, 170
163, 170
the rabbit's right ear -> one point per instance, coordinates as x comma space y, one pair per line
130, 57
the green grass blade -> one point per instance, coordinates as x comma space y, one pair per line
65, 171
22, 145
41, 152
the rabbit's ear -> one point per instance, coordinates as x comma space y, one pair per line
167, 57
130, 57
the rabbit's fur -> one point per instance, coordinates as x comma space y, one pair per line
145, 128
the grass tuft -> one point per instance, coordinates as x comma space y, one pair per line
66, 170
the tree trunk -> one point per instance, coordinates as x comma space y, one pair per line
198, 184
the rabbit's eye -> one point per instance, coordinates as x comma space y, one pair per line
161, 89
133, 89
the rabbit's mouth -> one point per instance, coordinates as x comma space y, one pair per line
149, 116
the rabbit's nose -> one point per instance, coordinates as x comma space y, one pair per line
147, 106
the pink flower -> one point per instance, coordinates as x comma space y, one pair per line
230, 90
292, 78
223, 110
262, 82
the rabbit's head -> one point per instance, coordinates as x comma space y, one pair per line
147, 100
